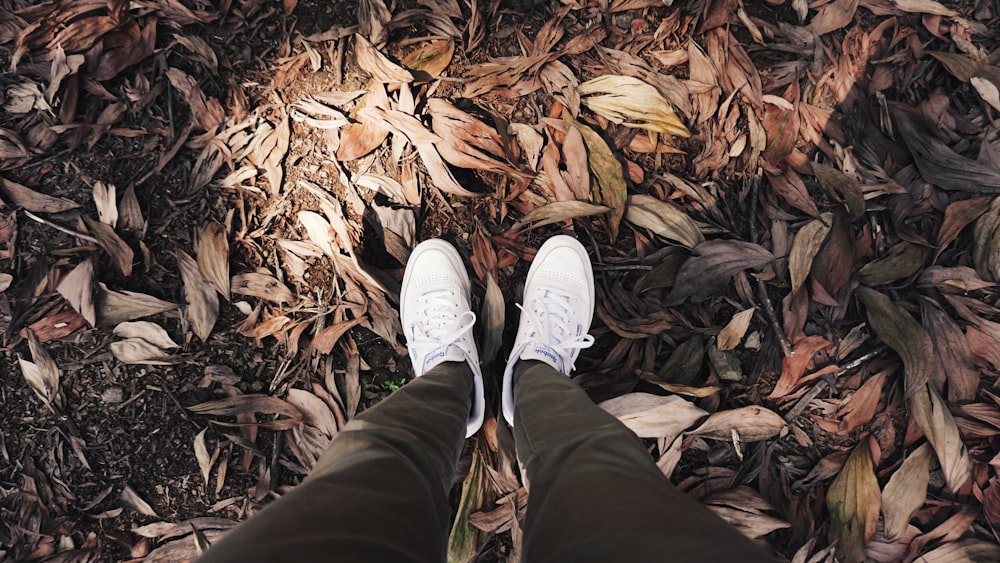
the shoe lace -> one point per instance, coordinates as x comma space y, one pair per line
549, 321
440, 326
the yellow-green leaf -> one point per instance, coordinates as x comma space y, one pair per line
854, 501
608, 187
633, 103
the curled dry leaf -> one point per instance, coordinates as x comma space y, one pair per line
556, 212
33, 201
807, 243
115, 306
714, 263
113, 244
731, 334
854, 500
905, 492
329, 336
897, 328
359, 139
263, 286
381, 69
664, 219
213, 256
752, 423
132, 500
201, 454
106, 200
431, 58
491, 316
248, 404
43, 373
943, 167
145, 330
608, 186
931, 415
207, 111
77, 288
315, 412
654, 416
139, 351
986, 242
201, 301
633, 103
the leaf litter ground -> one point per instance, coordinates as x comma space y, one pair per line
207, 207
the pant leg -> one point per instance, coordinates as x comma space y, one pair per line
595, 492
379, 493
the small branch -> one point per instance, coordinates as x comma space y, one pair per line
765, 299
622, 268
60, 228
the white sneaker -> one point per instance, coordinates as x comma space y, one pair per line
558, 307
437, 318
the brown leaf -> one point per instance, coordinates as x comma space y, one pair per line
854, 500
714, 263
213, 256
608, 187
664, 219
752, 423
556, 212
207, 111
794, 367
833, 16
931, 415
559, 82
115, 306
247, 404
654, 416
431, 58
106, 200
33, 201
905, 492
329, 336
959, 215
43, 373
132, 500
940, 165
491, 317
201, 301
113, 244
139, 351
77, 288
381, 69
897, 328
633, 103
359, 139
969, 549
263, 286
201, 454
953, 358
373, 20
805, 247
467, 142
577, 175
842, 186
903, 260
793, 190
744, 509
781, 124
145, 330
731, 334
862, 406
986, 242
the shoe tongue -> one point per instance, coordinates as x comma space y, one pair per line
448, 353
542, 353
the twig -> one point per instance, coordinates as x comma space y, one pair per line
822, 384
621, 268
772, 317
163, 389
60, 228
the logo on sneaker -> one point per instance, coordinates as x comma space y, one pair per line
548, 354
434, 357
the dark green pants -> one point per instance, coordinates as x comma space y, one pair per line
380, 493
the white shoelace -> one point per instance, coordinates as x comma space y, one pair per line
441, 327
549, 319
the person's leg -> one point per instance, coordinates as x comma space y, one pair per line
379, 493
595, 493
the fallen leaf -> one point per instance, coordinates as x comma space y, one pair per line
940, 165
897, 328
953, 358
329, 336
609, 186
263, 286
250, 404
139, 351
631, 102
213, 256
711, 267
854, 500
201, 454
931, 415
381, 69
207, 111
559, 82
806, 245
903, 260
654, 416
959, 215
77, 288
42, 374
732, 334
924, 7
106, 200
491, 317
201, 301
113, 244
986, 242
840, 185
835, 15
744, 509
115, 306
906, 492
431, 58
132, 500
794, 367
556, 212
464, 539
752, 423
969, 549
145, 330
24, 197
664, 219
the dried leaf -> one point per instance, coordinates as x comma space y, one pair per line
115, 306
465, 540
556, 212
953, 358
381, 69
329, 336
263, 286
923, 7
213, 256
940, 165
43, 373
897, 328
609, 186
359, 139
132, 500
491, 317
24, 197
902, 261
792, 189
559, 82
633, 103
139, 351
969, 549
931, 415
714, 263
654, 416
145, 330
807, 243
207, 111
106, 200
854, 500
839, 184
835, 15
905, 492
986, 242
373, 20
752, 423
201, 301
781, 125
664, 219
246, 404
201, 454
77, 288
113, 244
431, 58
732, 334
959, 215
577, 175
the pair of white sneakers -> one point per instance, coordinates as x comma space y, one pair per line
437, 318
